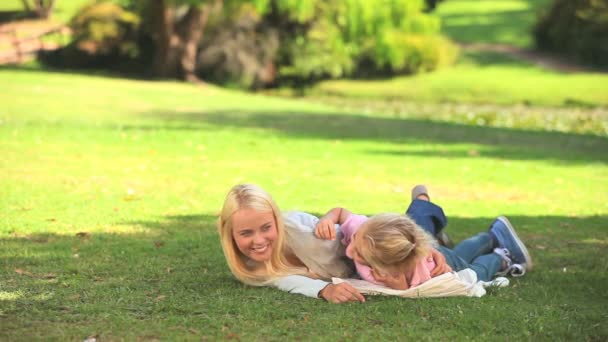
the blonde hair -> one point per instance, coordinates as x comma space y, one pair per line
244, 269
391, 241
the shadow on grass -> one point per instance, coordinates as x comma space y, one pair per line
489, 58
501, 143
495, 27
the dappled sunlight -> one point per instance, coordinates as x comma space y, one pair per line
602, 242
20, 295
14, 295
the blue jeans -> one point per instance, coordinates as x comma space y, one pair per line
474, 253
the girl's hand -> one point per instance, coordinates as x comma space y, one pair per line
441, 266
325, 229
396, 281
341, 293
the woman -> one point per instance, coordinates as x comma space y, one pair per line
265, 248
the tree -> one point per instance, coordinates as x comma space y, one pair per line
41, 8
177, 27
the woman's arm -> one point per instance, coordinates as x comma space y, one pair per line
325, 228
334, 293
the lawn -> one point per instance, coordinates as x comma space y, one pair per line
484, 83
491, 21
110, 189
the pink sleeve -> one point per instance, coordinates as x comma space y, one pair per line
350, 227
422, 272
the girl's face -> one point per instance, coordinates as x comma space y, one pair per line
254, 233
351, 252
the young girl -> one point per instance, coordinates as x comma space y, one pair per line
393, 250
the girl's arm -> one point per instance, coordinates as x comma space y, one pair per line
441, 266
325, 228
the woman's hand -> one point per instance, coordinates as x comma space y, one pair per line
441, 266
341, 293
325, 229
396, 281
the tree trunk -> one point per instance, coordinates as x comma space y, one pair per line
41, 8
26, 6
177, 40
192, 27
166, 40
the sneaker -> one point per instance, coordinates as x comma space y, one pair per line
509, 268
419, 190
507, 238
444, 239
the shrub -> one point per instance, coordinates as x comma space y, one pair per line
577, 28
239, 49
412, 53
103, 35
361, 37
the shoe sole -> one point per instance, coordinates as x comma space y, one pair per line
518, 241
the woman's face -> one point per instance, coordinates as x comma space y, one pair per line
254, 233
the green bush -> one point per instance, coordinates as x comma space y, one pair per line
577, 28
360, 37
239, 49
412, 53
105, 29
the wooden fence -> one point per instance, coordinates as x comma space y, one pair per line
16, 48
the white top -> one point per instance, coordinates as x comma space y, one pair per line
326, 258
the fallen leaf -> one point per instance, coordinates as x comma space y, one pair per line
83, 235
541, 247
23, 272
49, 276
194, 331
159, 244
233, 336
161, 297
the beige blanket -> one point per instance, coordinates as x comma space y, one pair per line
463, 283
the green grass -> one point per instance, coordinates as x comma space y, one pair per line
63, 9
483, 86
491, 21
110, 188
476, 79
488, 78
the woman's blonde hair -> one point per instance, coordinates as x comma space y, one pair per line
392, 241
246, 270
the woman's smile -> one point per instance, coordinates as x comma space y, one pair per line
254, 233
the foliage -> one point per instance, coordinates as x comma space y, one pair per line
576, 28
110, 190
432, 4
105, 29
238, 48
338, 38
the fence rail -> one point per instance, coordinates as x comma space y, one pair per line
15, 49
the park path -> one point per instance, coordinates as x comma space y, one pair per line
542, 59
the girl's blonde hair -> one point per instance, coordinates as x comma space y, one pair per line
392, 241
244, 269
